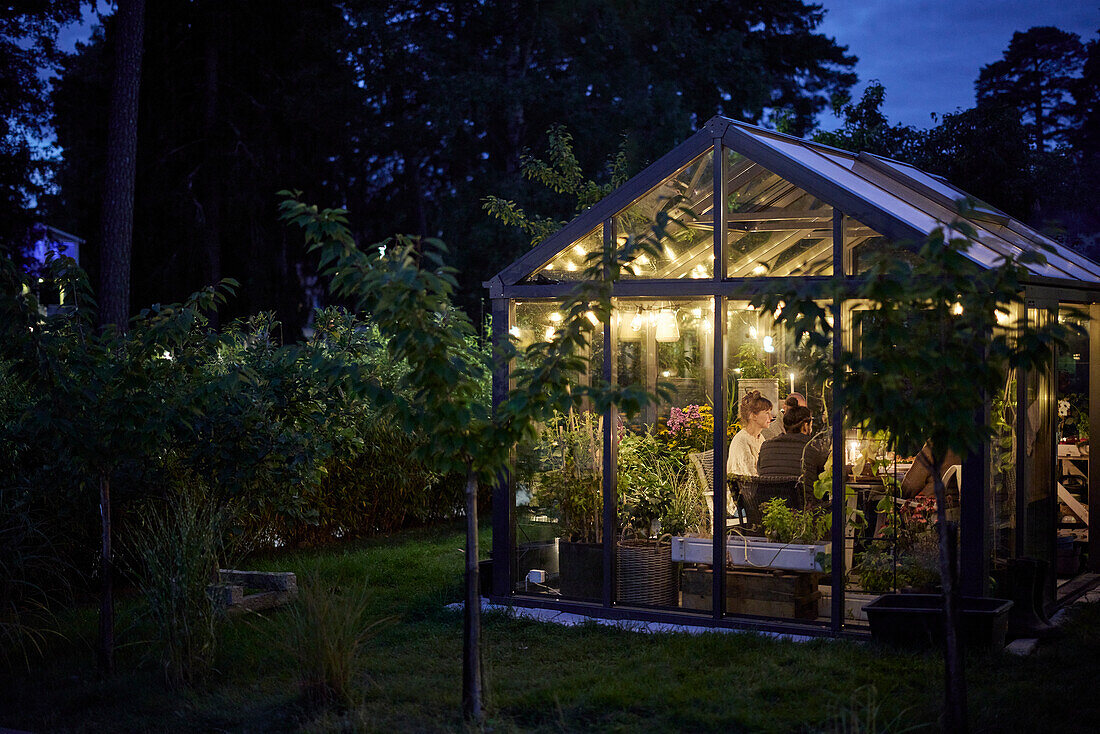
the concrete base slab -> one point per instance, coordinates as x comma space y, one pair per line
569, 619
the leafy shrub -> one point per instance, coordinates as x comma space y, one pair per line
377, 488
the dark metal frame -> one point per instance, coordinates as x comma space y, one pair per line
722, 135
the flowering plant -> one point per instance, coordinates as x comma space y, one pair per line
690, 428
1072, 418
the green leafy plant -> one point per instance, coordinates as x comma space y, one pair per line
569, 477
647, 477
784, 524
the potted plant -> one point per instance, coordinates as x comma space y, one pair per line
647, 479
569, 485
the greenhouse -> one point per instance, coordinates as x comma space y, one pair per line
629, 516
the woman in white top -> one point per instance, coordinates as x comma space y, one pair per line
756, 413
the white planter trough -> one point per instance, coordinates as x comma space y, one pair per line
752, 553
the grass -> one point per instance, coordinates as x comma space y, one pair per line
539, 677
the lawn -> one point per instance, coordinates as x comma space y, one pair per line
539, 677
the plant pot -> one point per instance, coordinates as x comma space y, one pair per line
485, 577
917, 621
645, 573
580, 570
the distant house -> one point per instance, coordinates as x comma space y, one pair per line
44, 240
43, 244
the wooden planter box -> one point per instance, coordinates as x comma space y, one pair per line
752, 552
782, 594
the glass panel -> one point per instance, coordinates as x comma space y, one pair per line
1002, 471
1072, 470
1039, 451
662, 454
889, 534
559, 505
687, 198
774, 228
861, 243
570, 263
777, 532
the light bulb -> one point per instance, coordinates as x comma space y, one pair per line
667, 328
555, 318
769, 347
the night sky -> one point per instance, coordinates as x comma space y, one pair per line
927, 53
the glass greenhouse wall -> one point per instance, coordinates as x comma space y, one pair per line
631, 514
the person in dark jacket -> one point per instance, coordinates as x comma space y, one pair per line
782, 455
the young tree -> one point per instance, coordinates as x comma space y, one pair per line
99, 399
1036, 76
407, 290
925, 371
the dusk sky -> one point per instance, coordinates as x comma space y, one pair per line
927, 53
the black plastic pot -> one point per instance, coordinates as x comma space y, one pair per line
916, 621
580, 569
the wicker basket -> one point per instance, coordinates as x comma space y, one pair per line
645, 573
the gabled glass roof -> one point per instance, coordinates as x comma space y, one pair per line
781, 192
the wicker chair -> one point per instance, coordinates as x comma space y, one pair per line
755, 491
703, 462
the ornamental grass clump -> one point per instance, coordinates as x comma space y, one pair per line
327, 628
176, 549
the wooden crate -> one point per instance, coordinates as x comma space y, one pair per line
784, 594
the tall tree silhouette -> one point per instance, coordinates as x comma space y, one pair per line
117, 222
1037, 76
28, 31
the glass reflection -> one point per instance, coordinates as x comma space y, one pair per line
778, 530
558, 482
663, 453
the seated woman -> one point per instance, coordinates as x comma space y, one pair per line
918, 481
755, 412
782, 455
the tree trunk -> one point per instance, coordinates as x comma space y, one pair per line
106, 651
471, 638
210, 193
954, 673
117, 229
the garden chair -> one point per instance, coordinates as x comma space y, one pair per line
703, 463
755, 491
